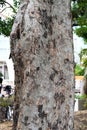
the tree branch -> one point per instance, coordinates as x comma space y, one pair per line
4, 9
10, 6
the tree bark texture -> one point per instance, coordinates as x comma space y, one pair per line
42, 52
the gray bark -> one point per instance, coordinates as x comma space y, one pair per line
42, 52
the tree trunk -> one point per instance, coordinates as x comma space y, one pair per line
42, 52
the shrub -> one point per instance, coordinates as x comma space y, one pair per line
4, 102
84, 96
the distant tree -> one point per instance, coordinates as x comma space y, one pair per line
79, 15
79, 70
83, 59
7, 22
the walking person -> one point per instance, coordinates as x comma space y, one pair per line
8, 89
1, 80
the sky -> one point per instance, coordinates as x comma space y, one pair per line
4, 48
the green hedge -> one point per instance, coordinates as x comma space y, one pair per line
4, 102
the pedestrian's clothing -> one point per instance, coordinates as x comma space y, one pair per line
1, 80
0, 87
8, 89
1, 84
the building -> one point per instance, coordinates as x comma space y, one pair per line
6, 64
8, 79
4, 70
79, 81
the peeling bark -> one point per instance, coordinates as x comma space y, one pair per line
42, 52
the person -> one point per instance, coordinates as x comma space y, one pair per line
9, 112
1, 80
8, 89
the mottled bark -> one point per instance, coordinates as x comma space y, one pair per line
42, 52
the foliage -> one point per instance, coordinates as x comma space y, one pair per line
79, 15
6, 101
6, 24
85, 104
82, 32
5, 4
85, 62
79, 71
83, 57
83, 53
77, 96
82, 97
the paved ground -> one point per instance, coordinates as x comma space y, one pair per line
80, 122
7, 125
